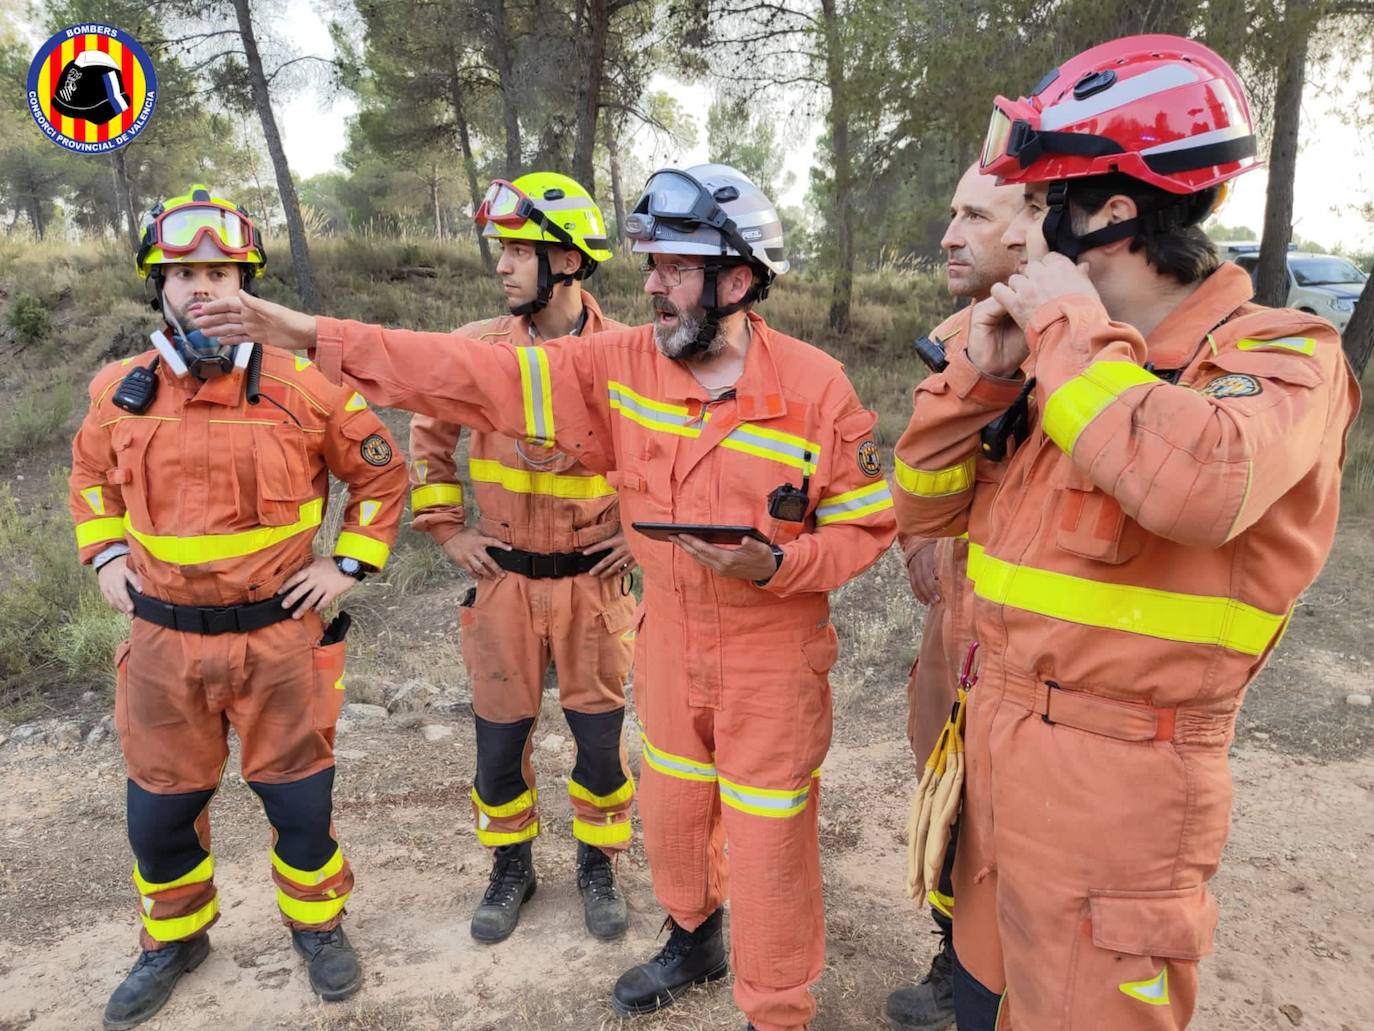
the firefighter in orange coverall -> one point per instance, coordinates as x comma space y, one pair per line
199, 478
708, 416
553, 574
1176, 491
980, 212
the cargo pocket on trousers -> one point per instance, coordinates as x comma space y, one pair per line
616, 648
329, 685
1145, 950
121, 702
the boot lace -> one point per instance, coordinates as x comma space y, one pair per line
597, 876
507, 876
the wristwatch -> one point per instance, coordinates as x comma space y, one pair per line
777, 564
350, 566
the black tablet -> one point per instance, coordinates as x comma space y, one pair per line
711, 533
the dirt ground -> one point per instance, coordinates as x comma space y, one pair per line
1295, 946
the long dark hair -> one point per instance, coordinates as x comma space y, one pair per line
1174, 243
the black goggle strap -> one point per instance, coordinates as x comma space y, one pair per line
1027, 144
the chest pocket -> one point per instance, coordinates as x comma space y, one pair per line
283, 474
1089, 522
132, 439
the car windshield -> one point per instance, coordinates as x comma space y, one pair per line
1324, 271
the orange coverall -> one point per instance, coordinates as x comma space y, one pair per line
1137, 567
218, 502
732, 688
542, 501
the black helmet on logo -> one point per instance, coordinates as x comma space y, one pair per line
91, 86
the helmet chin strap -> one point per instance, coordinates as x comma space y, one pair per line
1058, 225
543, 292
710, 325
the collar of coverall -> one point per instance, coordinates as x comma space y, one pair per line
592, 320
1175, 340
758, 391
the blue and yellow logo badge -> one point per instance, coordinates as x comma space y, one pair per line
91, 88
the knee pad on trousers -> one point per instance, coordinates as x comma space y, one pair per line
975, 1006
162, 832
300, 813
500, 760
598, 749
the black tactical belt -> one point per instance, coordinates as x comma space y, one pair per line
545, 567
205, 619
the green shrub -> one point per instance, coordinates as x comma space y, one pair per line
35, 418
28, 317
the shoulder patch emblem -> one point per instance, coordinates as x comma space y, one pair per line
375, 450
1232, 385
870, 462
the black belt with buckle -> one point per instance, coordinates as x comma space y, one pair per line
546, 567
207, 619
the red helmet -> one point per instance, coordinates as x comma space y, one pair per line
1161, 109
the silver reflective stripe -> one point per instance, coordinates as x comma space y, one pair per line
635, 408
536, 427
800, 455
1202, 140
856, 502
676, 765
764, 802
1123, 91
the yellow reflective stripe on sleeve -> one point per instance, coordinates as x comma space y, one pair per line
537, 392
516, 805
212, 547
764, 801
619, 796
1302, 345
675, 765
308, 878
203, 871
97, 531
935, 483
1167, 615
654, 415
1082, 399
775, 445
854, 504
495, 839
365, 549
602, 834
310, 912
941, 902
95, 498
529, 481
434, 494
178, 927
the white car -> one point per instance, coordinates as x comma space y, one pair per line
1323, 284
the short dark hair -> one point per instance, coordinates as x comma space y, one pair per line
1174, 243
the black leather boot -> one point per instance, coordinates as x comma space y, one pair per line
603, 906
511, 885
688, 958
331, 961
150, 982
928, 1006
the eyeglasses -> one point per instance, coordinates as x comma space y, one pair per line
669, 274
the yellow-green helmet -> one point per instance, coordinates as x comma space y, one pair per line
199, 227
564, 204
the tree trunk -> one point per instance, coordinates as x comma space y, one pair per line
434, 199
1271, 277
286, 188
595, 31
840, 221
1358, 339
119, 172
460, 120
502, 59
617, 189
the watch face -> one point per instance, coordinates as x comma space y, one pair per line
350, 566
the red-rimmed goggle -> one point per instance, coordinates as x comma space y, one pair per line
508, 206
179, 230
1015, 140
